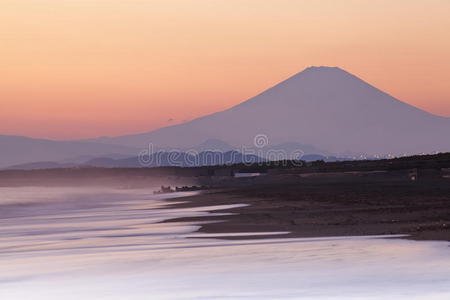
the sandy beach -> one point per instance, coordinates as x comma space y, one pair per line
314, 208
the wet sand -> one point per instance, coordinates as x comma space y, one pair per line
317, 208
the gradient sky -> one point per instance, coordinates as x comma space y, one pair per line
87, 68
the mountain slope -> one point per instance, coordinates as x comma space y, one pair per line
326, 107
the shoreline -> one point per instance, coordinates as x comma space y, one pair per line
327, 209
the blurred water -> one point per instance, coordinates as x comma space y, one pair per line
66, 243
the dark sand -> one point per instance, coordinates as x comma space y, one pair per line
319, 208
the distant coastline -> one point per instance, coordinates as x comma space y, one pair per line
409, 195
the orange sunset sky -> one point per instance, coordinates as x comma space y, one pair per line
77, 68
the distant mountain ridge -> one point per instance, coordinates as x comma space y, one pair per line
326, 107
164, 159
27, 153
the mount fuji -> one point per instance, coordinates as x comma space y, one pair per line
325, 107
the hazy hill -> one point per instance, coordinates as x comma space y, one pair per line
19, 150
157, 159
